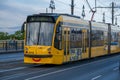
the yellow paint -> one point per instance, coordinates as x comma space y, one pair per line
58, 55
115, 49
42, 60
43, 50
98, 51
85, 55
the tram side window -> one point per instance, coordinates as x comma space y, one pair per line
75, 38
79, 38
114, 38
58, 38
97, 38
118, 39
72, 38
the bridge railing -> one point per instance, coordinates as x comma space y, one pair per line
11, 45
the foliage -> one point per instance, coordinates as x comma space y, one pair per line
17, 35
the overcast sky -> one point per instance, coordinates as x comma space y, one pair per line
14, 12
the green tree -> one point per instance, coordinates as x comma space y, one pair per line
18, 35
11, 36
4, 35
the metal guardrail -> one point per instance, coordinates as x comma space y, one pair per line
11, 45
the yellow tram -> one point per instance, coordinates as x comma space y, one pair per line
52, 38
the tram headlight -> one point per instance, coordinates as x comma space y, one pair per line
26, 49
49, 50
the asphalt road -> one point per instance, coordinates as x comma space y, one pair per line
11, 56
102, 68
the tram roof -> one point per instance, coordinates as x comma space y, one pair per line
54, 15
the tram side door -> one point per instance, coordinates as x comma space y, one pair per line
84, 40
66, 43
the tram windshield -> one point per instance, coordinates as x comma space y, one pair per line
39, 33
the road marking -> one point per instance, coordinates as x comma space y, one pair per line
2, 64
52, 73
8, 60
116, 68
13, 69
96, 77
46, 74
11, 76
23, 74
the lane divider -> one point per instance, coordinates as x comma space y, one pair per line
96, 77
24, 74
116, 68
52, 73
13, 69
46, 74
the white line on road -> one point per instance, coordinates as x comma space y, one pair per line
15, 62
52, 73
24, 74
116, 68
13, 69
96, 77
46, 74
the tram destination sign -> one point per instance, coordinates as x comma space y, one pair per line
40, 19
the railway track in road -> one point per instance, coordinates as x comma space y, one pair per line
17, 70
11, 62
